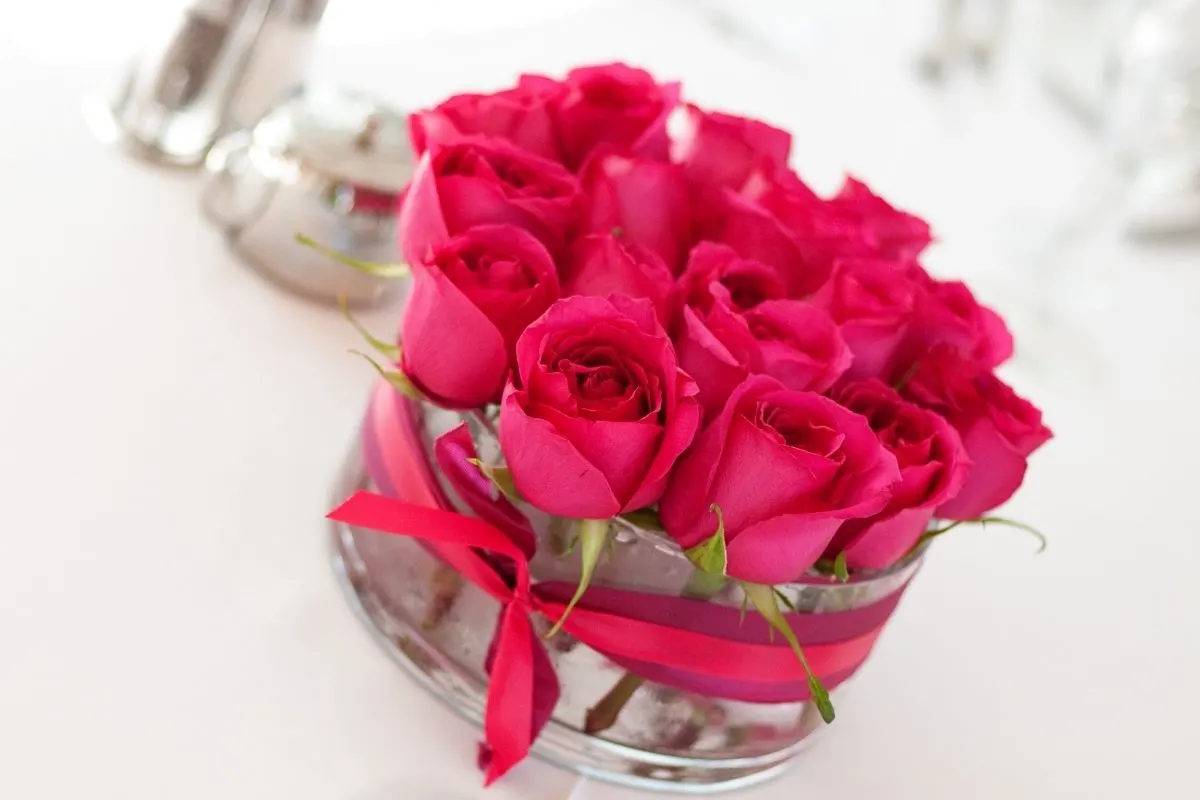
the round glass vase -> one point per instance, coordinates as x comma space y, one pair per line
438, 627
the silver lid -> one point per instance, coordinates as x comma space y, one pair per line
344, 136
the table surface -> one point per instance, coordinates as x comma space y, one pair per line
170, 426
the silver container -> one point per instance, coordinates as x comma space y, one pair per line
329, 165
438, 628
216, 65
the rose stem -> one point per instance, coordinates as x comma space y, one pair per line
603, 715
700, 586
446, 584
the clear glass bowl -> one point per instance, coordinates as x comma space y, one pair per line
438, 627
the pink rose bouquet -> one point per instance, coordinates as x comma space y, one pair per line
679, 332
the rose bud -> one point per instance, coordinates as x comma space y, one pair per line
483, 181
893, 234
644, 201
617, 105
933, 466
601, 264
998, 428
778, 220
947, 313
792, 341
472, 297
598, 411
718, 149
715, 273
522, 115
786, 468
872, 303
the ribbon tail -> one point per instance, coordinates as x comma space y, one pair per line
508, 719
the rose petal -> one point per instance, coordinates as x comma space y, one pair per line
622, 451
883, 543
420, 225
997, 471
779, 549
548, 470
759, 479
710, 363
450, 349
602, 265
677, 436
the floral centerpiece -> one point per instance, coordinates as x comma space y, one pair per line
635, 334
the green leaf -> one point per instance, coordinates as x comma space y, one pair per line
1012, 523
983, 522
593, 537
764, 599
701, 585
397, 379
709, 556
840, 571
787, 603
644, 518
389, 351
501, 477
929, 536
389, 271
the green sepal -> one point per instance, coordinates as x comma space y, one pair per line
387, 271
702, 585
788, 604
765, 600
709, 556
593, 538
389, 351
501, 478
397, 379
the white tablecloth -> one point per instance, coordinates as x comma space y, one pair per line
170, 425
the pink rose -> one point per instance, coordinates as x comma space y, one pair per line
947, 313
872, 303
778, 220
999, 429
933, 466
798, 344
617, 105
645, 201
472, 297
786, 468
715, 273
601, 264
599, 411
790, 340
893, 234
481, 181
718, 149
522, 115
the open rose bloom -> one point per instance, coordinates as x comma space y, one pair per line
670, 379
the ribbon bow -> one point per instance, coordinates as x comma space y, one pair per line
508, 716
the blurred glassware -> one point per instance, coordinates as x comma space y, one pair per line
328, 164
220, 64
1131, 70
968, 32
1152, 123
1076, 41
